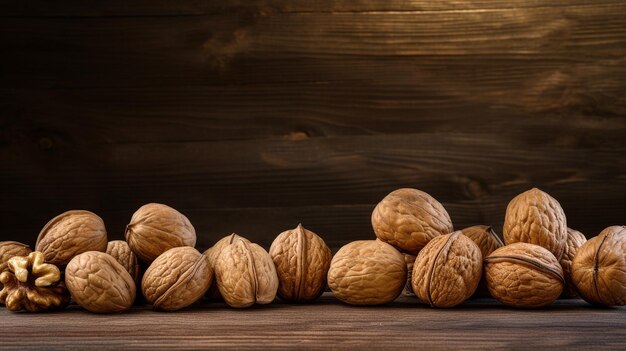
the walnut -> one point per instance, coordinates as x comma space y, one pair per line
212, 253
524, 275
408, 219
245, 274
447, 270
367, 272
177, 279
69, 234
535, 217
575, 240
599, 268
32, 285
99, 284
156, 228
302, 260
410, 262
488, 241
120, 251
10, 249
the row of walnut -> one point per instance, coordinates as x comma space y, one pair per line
416, 248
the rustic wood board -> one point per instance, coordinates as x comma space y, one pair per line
405, 324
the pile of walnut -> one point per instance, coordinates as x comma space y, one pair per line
416, 250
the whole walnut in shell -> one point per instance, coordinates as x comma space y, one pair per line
447, 270
69, 234
575, 240
410, 262
535, 217
31, 284
99, 283
409, 218
120, 251
599, 268
488, 241
212, 254
524, 275
245, 274
10, 249
177, 279
156, 228
302, 260
367, 272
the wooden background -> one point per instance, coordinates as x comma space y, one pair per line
252, 116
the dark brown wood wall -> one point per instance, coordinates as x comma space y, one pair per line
252, 116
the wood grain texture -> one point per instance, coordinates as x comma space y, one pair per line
404, 324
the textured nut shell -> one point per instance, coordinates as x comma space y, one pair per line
367, 272
99, 284
177, 279
535, 217
409, 218
245, 275
10, 249
212, 253
599, 268
524, 275
447, 270
410, 262
120, 251
69, 234
156, 228
302, 260
575, 240
488, 241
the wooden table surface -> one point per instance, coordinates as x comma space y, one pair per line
329, 324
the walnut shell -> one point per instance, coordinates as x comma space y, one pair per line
524, 275
575, 240
177, 279
410, 262
367, 272
156, 228
99, 284
488, 241
69, 234
121, 252
535, 217
212, 253
447, 270
10, 249
409, 218
599, 268
31, 284
302, 260
245, 274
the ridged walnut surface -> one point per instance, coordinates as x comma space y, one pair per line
409, 218
535, 217
212, 253
69, 234
367, 272
488, 241
245, 275
120, 250
410, 262
524, 275
156, 228
31, 284
99, 284
447, 270
575, 240
10, 249
302, 260
599, 268
177, 279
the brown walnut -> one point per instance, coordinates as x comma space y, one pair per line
177, 279
302, 260
524, 275
410, 262
10, 249
212, 253
367, 272
245, 274
447, 270
535, 217
156, 228
120, 251
99, 284
575, 240
409, 218
488, 241
69, 234
31, 284
599, 268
